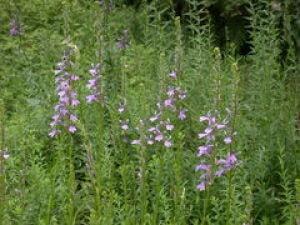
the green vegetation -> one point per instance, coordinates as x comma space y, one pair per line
247, 66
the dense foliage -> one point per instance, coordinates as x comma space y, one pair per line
149, 112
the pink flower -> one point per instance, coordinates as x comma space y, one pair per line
150, 142
212, 121
220, 172
72, 129
201, 186
155, 117
201, 135
203, 167
159, 137
168, 143
136, 142
169, 103
169, 127
208, 130
74, 77
54, 133
171, 91
182, 95
182, 114
152, 129
220, 126
56, 117
204, 150
124, 126
91, 98
203, 118
75, 102
92, 83
227, 140
73, 117
95, 70
173, 74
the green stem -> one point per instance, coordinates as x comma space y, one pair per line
206, 202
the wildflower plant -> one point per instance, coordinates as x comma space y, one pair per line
15, 27
94, 84
215, 136
123, 120
65, 116
158, 128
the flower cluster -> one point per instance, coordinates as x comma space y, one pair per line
124, 123
64, 117
94, 84
213, 168
15, 28
160, 127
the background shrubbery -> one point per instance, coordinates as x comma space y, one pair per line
240, 55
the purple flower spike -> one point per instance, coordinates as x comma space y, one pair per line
94, 84
210, 135
226, 164
67, 100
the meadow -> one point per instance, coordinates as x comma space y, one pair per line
118, 114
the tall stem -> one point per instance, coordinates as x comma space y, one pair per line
235, 102
2, 174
